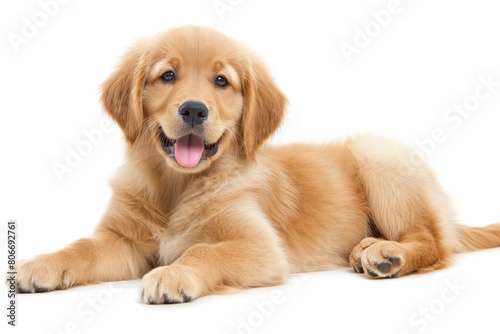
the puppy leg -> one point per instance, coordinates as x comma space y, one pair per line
239, 255
107, 256
410, 237
380, 258
410, 211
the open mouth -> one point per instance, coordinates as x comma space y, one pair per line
189, 150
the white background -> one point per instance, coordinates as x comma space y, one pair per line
425, 60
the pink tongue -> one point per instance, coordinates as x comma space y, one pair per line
188, 150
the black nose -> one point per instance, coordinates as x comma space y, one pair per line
193, 113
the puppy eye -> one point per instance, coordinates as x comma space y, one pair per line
168, 76
221, 81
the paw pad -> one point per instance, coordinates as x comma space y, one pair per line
378, 258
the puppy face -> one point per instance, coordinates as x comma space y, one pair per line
194, 95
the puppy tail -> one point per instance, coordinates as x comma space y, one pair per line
475, 238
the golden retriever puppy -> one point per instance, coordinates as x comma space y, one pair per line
202, 206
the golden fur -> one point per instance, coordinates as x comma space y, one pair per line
250, 214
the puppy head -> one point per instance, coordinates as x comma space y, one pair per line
195, 95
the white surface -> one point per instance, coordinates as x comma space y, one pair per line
427, 58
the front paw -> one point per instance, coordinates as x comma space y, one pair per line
170, 285
42, 274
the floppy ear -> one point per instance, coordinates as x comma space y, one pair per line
263, 108
122, 94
